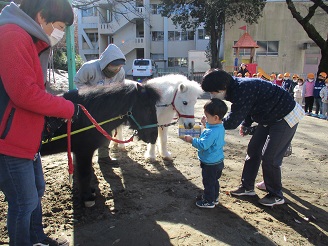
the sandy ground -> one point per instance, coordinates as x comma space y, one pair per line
142, 203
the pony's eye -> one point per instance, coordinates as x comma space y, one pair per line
185, 103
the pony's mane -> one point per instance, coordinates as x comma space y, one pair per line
169, 83
117, 97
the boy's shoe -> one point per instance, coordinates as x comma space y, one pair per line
242, 191
52, 242
271, 200
321, 116
308, 114
205, 204
314, 115
261, 185
216, 202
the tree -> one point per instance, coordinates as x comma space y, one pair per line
215, 14
311, 28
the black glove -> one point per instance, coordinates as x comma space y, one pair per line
76, 114
249, 130
52, 124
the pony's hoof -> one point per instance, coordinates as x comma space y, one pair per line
91, 201
167, 158
149, 159
89, 204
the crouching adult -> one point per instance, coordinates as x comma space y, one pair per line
101, 72
277, 115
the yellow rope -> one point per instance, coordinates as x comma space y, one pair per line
83, 129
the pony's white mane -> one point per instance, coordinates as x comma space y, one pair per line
168, 84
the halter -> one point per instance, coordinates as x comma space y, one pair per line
129, 114
174, 108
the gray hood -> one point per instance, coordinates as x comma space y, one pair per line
12, 14
111, 53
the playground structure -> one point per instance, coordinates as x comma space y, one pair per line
247, 42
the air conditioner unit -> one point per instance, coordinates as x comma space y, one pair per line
305, 46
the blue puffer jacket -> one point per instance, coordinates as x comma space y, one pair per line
317, 88
256, 100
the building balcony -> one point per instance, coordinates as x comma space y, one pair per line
115, 25
128, 45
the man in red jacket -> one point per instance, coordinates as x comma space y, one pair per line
26, 36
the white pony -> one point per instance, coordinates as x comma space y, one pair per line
178, 98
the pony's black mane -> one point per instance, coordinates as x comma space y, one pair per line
114, 98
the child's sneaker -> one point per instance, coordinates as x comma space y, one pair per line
205, 204
216, 202
52, 242
261, 186
271, 200
242, 191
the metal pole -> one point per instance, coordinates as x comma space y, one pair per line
70, 55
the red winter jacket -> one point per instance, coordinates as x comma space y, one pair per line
24, 101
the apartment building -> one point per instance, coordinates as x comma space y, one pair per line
143, 33
140, 33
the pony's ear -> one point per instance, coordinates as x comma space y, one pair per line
183, 87
141, 88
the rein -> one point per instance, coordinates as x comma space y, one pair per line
174, 108
100, 129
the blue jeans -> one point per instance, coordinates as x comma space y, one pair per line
268, 145
22, 182
318, 105
211, 175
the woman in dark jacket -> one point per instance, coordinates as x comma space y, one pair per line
277, 115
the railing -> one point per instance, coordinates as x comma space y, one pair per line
114, 26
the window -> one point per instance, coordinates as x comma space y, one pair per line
156, 9
267, 48
157, 57
90, 57
87, 12
242, 52
157, 36
181, 35
177, 62
93, 37
191, 35
141, 62
202, 34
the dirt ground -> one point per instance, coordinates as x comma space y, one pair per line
142, 203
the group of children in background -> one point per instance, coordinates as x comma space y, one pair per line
309, 92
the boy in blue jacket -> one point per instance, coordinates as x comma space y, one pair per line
210, 151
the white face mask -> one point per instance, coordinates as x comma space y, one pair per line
55, 36
310, 80
219, 95
294, 80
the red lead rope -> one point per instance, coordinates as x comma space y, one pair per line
98, 127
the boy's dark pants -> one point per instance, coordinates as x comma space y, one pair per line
211, 175
268, 145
